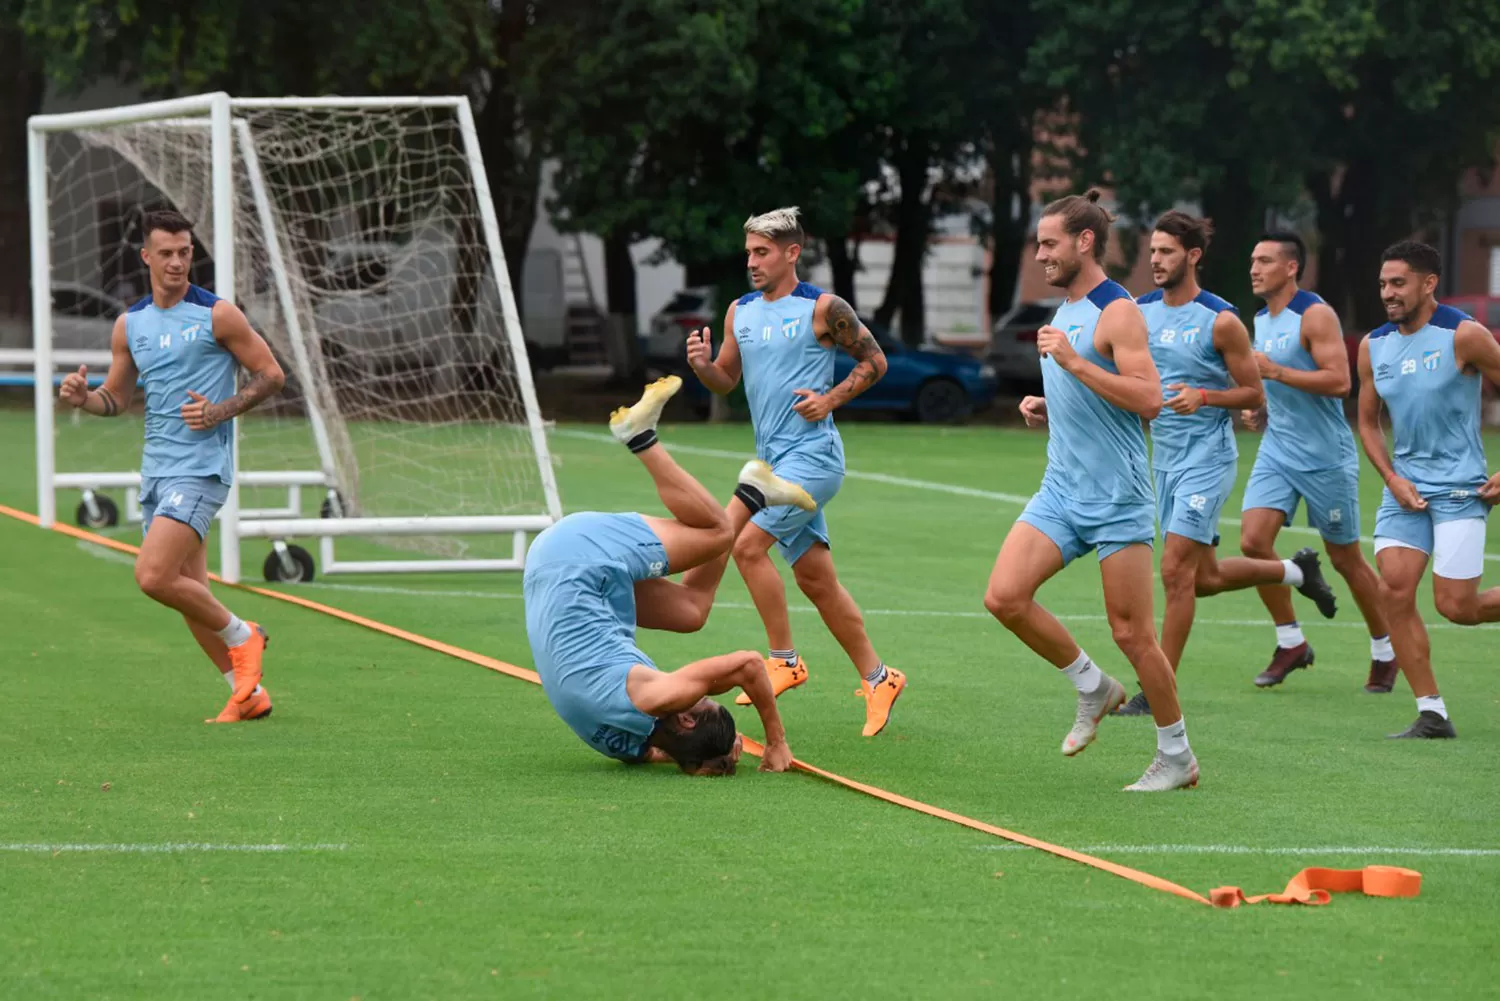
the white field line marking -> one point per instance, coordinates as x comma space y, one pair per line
164, 848
739, 606
928, 485
1256, 850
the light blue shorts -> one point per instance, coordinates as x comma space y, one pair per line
192, 500
579, 587
819, 471
1189, 501
1077, 528
1331, 495
1415, 528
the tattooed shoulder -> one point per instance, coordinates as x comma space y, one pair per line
845, 330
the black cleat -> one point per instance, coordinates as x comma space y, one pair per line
1314, 586
1382, 676
1284, 662
1429, 726
1137, 706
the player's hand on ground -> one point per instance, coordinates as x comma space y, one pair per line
1053, 343
1406, 494
778, 758
1255, 420
813, 407
1034, 411
1187, 400
700, 352
1490, 490
75, 387
198, 412
1268, 368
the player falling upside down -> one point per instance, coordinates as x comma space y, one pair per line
1307, 454
187, 345
1425, 365
1207, 366
782, 337
1099, 381
592, 579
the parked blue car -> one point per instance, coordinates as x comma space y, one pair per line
933, 386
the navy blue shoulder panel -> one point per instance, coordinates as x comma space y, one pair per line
807, 290
1107, 292
140, 304
1303, 301
747, 297
1382, 330
200, 297
1215, 303
1448, 317
1150, 297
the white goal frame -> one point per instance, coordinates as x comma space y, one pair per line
217, 113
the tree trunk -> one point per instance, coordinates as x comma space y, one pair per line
1238, 215
1010, 173
513, 167
1332, 240
843, 267
904, 291
21, 89
622, 331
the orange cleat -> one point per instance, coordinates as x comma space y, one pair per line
258, 706
246, 659
880, 699
783, 676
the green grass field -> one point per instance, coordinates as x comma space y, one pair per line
445, 836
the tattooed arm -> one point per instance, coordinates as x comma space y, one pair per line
119, 385
234, 332
834, 321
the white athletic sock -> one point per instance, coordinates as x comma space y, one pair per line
1291, 573
1381, 649
1085, 674
1289, 636
1432, 703
229, 679
236, 633
1172, 738
876, 676
790, 656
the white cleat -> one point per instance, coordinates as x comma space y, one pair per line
627, 422
1168, 772
777, 492
1093, 707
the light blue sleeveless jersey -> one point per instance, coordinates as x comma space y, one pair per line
1303, 431
1096, 452
1434, 406
779, 353
1182, 345
175, 351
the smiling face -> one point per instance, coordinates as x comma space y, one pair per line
1060, 253
1404, 290
169, 258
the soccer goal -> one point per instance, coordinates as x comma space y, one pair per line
360, 237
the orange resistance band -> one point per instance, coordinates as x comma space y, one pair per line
1310, 886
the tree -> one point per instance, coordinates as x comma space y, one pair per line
21, 89
1252, 106
677, 119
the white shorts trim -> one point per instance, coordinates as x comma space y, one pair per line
1386, 542
1458, 549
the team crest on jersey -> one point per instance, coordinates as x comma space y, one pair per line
1190, 335
790, 327
191, 331
1431, 359
1074, 330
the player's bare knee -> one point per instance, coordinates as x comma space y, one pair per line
1133, 638
1010, 607
1178, 578
818, 585
1398, 595
1459, 609
746, 549
1257, 548
155, 581
1347, 560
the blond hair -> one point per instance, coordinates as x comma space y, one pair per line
783, 225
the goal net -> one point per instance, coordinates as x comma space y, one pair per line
360, 239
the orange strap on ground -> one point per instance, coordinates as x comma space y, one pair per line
1310, 886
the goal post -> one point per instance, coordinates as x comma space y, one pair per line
361, 237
